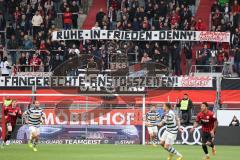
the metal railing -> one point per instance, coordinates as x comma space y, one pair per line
28, 68
206, 69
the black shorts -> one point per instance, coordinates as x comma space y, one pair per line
206, 137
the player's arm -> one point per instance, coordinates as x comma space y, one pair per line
25, 116
194, 126
196, 123
164, 120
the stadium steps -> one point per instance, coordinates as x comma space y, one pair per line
93, 10
204, 10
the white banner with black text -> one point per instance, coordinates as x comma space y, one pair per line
163, 35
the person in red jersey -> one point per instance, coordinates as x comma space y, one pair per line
209, 124
11, 113
7, 101
35, 62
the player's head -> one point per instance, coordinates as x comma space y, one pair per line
166, 107
153, 108
185, 96
36, 104
204, 106
14, 103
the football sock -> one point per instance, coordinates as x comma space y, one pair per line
35, 142
8, 136
212, 144
174, 151
155, 140
205, 149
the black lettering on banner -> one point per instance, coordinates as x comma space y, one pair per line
122, 35
96, 34
91, 34
68, 81
74, 81
162, 35
148, 35
15, 81
141, 81
38, 81
154, 83
109, 82
175, 83
116, 81
101, 81
66, 35
149, 81
134, 35
80, 36
189, 35
122, 81
73, 34
158, 80
109, 34
127, 35
195, 35
31, 81
81, 81
93, 83
135, 81
6, 80
169, 35
175, 35
129, 82
164, 81
183, 35
59, 35
116, 35
142, 35
53, 82
59, 80
169, 82
22, 80
46, 81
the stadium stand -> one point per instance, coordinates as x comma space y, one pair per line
26, 29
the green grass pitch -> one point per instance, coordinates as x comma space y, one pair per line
111, 152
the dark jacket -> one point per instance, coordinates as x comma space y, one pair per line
12, 44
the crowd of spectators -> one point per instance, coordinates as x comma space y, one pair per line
152, 15
29, 24
225, 17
